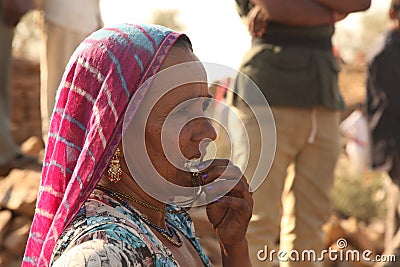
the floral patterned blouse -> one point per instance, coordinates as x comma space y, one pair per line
105, 233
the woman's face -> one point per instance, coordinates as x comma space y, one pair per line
181, 133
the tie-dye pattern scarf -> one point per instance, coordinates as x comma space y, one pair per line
103, 75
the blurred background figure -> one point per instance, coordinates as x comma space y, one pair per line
354, 129
292, 62
66, 23
11, 12
383, 96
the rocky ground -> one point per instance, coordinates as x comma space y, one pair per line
18, 190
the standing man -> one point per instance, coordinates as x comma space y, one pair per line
383, 110
292, 62
66, 24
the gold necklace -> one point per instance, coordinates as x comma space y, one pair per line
129, 197
168, 234
140, 202
178, 243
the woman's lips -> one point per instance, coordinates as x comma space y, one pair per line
193, 165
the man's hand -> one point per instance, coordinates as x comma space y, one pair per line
257, 21
345, 6
309, 12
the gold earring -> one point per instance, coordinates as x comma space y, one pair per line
114, 169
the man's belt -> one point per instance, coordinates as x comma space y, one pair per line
324, 43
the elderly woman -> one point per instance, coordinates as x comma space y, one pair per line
91, 209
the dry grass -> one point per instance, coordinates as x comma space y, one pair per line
360, 195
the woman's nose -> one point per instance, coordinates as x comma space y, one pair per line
203, 129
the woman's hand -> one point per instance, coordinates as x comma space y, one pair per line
230, 214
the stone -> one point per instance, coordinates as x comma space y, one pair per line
32, 146
376, 232
358, 236
5, 218
25, 99
4, 259
14, 263
16, 238
18, 191
333, 230
8, 260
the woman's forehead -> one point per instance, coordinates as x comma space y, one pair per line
179, 55
182, 66
185, 93
181, 77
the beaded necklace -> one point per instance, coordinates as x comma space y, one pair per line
167, 233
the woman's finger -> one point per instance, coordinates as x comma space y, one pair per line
207, 164
238, 204
240, 190
223, 172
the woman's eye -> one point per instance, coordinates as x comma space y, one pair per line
206, 104
193, 108
183, 111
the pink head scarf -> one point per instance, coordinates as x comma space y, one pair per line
102, 77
